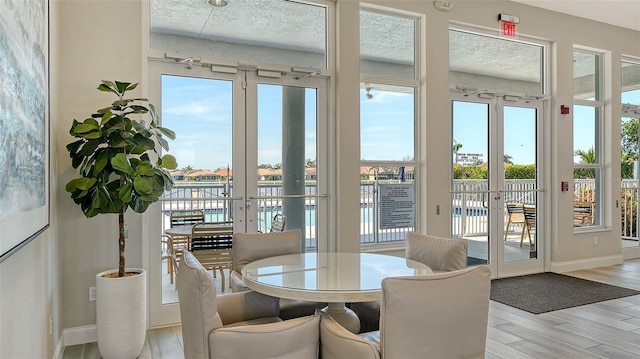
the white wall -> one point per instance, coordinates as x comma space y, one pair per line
101, 39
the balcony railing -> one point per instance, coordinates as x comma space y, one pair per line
469, 206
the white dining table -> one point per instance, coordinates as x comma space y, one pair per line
334, 278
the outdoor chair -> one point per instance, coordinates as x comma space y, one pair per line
179, 218
440, 254
441, 315
530, 222
249, 247
515, 215
278, 222
211, 244
237, 325
169, 255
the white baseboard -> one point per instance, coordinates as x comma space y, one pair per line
80, 335
563, 267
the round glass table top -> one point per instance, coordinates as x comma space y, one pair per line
328, 276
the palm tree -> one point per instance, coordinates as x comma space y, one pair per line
508, 159
588, 156
456, 147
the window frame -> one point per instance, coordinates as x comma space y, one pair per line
414, 84
599, 139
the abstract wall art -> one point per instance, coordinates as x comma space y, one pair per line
24, 123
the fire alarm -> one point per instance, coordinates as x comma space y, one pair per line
564, 110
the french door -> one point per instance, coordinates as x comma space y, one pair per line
249, 145
496, 193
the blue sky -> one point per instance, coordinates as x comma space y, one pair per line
200, 112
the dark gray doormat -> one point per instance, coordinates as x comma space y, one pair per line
546, 292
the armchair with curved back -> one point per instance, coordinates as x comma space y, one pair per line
249, 247
237, 325
440, 254
442, 315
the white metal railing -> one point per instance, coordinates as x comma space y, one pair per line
629, 199
469, 205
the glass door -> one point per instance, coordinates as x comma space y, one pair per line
496, 202
286, 117
247, 149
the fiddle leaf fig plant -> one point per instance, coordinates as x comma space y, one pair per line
113, 154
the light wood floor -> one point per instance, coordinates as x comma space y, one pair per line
608, 329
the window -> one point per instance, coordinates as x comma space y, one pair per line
630, 101
479, 61
388, 113
266, 32
588, 124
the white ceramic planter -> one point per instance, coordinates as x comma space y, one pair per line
121, 314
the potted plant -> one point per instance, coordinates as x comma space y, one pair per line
113, 154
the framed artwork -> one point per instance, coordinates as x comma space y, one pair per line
24, 123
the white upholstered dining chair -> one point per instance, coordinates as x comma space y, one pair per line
440, 254
237, 325
249, 247
442, 315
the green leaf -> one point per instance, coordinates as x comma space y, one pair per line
90, 147
139, 206
132, 87
144, 169
125, 194
163, 143
74, 146
169, 162
139, 109
76, 161
121, 163
81, 183
106, 116
141, 185
84, 128
92, 135
167, 132
144, 142
101, 161
122, 86
107, 86
99, 199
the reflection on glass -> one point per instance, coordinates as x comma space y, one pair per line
261, 31
387, 45
586, 75
481, 61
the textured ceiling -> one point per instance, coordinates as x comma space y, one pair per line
252, 22
290, 25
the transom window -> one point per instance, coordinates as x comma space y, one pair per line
256, 31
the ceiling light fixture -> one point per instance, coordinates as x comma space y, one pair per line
218, 2
369, 95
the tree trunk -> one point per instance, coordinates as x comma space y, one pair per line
121, 243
